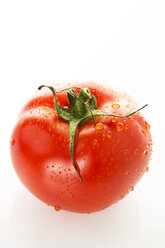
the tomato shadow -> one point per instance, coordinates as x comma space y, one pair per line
33, 224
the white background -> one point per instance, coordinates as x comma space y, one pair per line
118, 43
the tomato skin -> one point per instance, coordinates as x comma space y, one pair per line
112, 156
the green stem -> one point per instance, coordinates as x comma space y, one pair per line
80, 111
62, 112
72, 130
98, 112
80, 105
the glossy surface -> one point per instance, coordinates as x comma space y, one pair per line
112, 156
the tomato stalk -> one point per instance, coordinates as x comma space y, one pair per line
82, 108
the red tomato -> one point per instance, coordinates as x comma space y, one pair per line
111, 157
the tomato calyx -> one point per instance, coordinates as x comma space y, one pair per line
82, 109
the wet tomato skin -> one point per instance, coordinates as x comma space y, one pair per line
112, 156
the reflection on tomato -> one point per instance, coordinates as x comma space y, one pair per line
111, 157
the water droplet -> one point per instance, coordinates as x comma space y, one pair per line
144, 132
132, 188
119, 127
115, 106
12, 142
126, 152
147, 169
147, 125
126, 173
109, 135
113, 120
99, 127
123, 195
126, 126
95, 141
103, 135
136, 151
57, 208
145, 153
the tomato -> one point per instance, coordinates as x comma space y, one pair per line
88, 167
